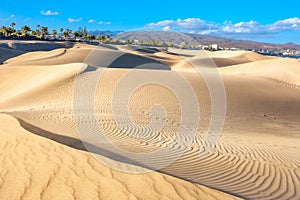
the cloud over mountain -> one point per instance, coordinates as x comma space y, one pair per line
197, 25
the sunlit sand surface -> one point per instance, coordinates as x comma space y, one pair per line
42, 156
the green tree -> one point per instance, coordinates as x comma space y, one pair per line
13, 24
75, 35
3, 31
91, 37
150, 42
66, 33
80, 31
100, 38
25, 30
19, 33
129, 41
54, 32
38, 31
32, 33
115, 41
85, 33
44, 31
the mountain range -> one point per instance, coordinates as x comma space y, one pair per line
188, 38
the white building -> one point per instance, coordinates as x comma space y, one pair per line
214, 47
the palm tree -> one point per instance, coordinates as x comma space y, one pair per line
75, 35
44, 31
54, 32
61, 30
19, 33
66, 33
38, 31
32, 33
115, 41
129, 41
3, 31
100, 38
150, 42
13, 24
25, 30
6, 31
91, 37
84, 32
80, 31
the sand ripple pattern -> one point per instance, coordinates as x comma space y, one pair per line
251, 163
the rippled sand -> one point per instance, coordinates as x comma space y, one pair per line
257, 156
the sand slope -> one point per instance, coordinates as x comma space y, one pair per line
6, 53
257, 156
13, 48
33, 167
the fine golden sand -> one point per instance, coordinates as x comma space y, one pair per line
42, 156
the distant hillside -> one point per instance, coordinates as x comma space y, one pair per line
203, 40
242, 44
111, 33
157, 35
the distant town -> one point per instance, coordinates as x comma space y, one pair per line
270, 52
107, 37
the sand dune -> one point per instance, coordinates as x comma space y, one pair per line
77, 54
257, 156
57, 56
12, 48
33, 45
224, 58
282, 70
6, 53
33, 167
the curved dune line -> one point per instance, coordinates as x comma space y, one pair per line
37, 56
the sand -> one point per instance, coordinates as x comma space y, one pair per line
257, 156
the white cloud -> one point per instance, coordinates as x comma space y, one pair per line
197, 25
8, 18
105, 23
49, 12
184, 24
91, 21
166, 28
250, 27
207, 32
71, 20
285, 25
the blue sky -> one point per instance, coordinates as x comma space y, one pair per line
255, 20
